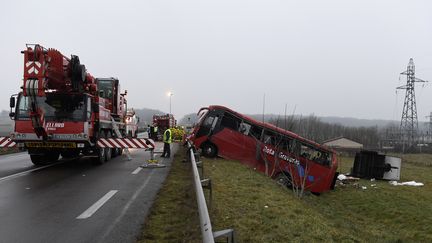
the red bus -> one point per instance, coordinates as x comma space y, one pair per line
280, 154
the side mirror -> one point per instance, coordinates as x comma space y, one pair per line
12, 115
12, 102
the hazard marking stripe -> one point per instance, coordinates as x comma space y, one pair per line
105, 143
6, 142
125, 143
130, 144
116, 145
135, 143
141, 143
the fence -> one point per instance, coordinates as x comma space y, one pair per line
207, 233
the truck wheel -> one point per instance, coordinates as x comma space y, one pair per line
114, 152
100, 159
284, 180
108, 151
44, 159
209, 150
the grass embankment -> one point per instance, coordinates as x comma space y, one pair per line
261, 211
174, 215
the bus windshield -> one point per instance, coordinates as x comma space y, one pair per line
56, 107
201, 114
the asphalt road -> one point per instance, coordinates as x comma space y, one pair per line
75, 201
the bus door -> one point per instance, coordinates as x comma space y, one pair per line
269, 153
251, 136
227, 138
208, 126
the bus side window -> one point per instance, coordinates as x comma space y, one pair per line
322, 158
286, 144
231, 122
213, 125
269, 138
208, 121
310, 153
244, 128
305, 152
255, 132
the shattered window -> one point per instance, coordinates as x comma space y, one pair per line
310, 153
287, 144
208, 121
255, 132
230, 121
244, 128
270, 137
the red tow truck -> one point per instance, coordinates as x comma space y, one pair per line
63, 110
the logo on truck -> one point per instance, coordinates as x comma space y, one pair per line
52, 126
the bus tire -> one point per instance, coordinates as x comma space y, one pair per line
209, 150
284, 179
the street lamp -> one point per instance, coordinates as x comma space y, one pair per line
170, 94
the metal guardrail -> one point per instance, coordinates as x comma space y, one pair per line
207, 233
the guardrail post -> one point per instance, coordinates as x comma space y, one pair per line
208, 236
228, 233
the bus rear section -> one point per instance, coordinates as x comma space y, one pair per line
273, 151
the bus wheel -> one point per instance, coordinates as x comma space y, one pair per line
209, 150
284, 180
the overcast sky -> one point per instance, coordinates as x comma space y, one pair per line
330, 58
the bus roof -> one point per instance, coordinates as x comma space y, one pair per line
269, 126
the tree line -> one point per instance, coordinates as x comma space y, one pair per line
311, 127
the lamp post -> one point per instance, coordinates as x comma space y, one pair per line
170, 94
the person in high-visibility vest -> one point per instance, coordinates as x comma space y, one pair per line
155, 132
167, 139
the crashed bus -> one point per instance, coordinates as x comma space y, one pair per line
284, 156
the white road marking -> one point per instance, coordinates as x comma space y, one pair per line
128, 204
91, 210
136, 171
28, 172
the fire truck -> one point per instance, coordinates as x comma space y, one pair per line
163, 122
63, 110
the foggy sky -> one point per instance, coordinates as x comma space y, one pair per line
330, 58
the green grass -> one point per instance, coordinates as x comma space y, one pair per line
385, 213
174, 215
